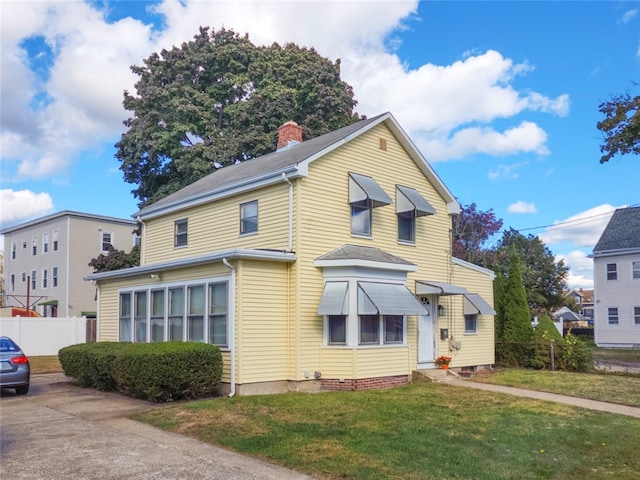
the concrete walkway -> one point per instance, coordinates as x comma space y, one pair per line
59, 431
552, 397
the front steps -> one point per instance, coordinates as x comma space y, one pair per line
434, 375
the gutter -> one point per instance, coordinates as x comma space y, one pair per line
232, 325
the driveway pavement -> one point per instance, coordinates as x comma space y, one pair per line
59, 431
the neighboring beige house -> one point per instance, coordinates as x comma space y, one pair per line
584, 300
47, 258
616, 274
324, 265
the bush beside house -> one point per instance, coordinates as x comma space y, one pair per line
157, 372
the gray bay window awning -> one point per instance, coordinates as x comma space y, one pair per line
474, 304
409, 201
387, 299
365, 190
334, 299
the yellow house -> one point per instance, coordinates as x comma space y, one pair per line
325, 265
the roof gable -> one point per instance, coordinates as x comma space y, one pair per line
291, 162
622, 232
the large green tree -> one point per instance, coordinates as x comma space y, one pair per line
621, 126
219, 99
544, 278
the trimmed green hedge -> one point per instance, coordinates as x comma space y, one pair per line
158, 372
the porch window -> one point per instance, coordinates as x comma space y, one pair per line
612, 316
612, 271
157, 315
180, 233
125, 317
249, 217
176, 313
140, 316
195, 320
218, 313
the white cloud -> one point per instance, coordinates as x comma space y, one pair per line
23, 205
628, 16
448, 107
522, 207
506, 171
580, 230
580, 269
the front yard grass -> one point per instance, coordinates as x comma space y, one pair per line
624, 390
420, 431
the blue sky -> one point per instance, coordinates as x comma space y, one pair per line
501, 97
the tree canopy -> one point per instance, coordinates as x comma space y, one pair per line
472, 230
219, 99
621, 126
115, 259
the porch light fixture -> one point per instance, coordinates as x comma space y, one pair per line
441, 310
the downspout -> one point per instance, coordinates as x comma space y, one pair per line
290, 243
232, 334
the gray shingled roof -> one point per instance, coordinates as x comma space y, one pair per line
622, 231
257, 167
359, 252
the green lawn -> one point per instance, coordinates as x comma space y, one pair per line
421, 431
620, 354
606, 388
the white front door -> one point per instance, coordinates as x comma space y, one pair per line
426, 333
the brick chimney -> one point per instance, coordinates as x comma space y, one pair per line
289, 134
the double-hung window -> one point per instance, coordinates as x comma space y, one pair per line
636, 315
337, 325
45, 278
13, 282
612, 271
176, 313
54, 277
45, 243
249, 217
34, 283
613, 316
106, 241
180, 233
635, 269
125, 317
14, 247
195, 319
364, 195
34, 245
55, 240
410, 204
218, 313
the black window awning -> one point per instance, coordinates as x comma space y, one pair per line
474, 304
387, 299
409, 201
365, 190
334, 299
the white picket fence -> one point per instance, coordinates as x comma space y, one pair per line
39, 336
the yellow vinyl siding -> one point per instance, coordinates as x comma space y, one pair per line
365, 362
477, 349
216, 226
326, 225
262, 340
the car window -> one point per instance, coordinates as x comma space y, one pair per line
8, 346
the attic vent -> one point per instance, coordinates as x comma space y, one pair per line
383, 144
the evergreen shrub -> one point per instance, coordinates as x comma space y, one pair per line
157, 372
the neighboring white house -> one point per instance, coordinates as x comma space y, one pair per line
616, 269
47, 258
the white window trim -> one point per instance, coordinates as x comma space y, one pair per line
185, 234
633, 271
633, 316
609, 324
243, 219
606, 272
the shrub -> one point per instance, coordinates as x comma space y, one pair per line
158, 372
162, 372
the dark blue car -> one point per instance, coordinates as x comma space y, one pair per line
15, 371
